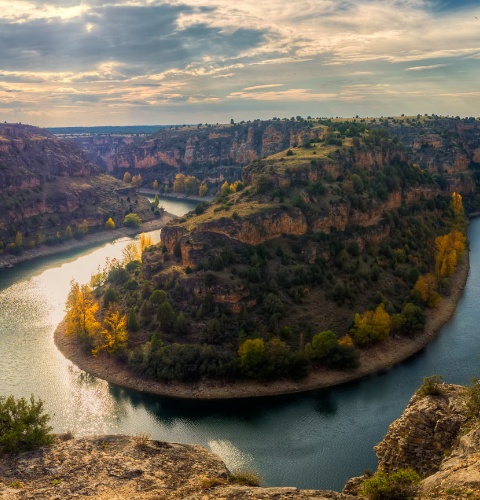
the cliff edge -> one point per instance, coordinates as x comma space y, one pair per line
122, 467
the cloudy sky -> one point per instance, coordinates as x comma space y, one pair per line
115, 62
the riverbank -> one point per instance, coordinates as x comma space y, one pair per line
377, 358
176, 196
7, 260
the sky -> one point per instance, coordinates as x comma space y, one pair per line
133, 62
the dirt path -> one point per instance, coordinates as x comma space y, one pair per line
382, 356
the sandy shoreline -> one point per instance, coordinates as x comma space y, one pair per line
7, 260
377, 358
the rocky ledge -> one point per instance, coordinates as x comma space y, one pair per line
121, 467
438, 436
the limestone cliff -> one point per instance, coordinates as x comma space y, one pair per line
106, 467
440, 439
47, 184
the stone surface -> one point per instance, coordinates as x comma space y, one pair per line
121, 467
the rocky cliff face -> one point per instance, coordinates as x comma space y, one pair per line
47, 184
437, 437
106, 467
198, 150
215, 152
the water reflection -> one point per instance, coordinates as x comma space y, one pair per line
315, 440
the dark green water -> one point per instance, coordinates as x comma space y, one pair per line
316, 440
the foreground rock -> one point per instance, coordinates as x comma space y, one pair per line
438, 438
122, 467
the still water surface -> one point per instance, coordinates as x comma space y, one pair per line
311, 441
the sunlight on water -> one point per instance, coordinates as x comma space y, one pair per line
310, 441
234, 459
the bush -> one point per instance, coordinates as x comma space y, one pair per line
400, 485
431, 386
245, 478
473, 402
23, 425
132, 220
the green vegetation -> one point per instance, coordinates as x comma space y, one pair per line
313, 257
245, 478
402, 484
23, 425
431, 386
132, 220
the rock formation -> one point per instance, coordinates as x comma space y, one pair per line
121, 467
47, 184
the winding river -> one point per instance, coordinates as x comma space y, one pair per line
315, 440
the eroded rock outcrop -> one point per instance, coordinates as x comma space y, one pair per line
427, 429
121, 467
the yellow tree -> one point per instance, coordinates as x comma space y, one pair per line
371, 326
81, 310
114, 334
456, 203
225, 189
155, 185
127, 177
145, 241
179, 183
426, 286
110, 224
130, 253
203, 189
137, 180
448, 249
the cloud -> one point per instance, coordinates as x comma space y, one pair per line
423, 68
212, 56
283, 95
269, 85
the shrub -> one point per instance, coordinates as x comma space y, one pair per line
400, 485
431, 386
23, 425
245, 478
473, 402
132, 220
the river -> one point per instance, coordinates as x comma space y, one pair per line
315, 440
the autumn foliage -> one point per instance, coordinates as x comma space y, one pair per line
371, 326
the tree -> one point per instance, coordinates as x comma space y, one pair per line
181, 324
127, 177
252, 355
322, 345
137, 180
371, 326
179, 183
18, 239
132, 322
132, 220
203, 189
166, 316
145, 241
426, 286
83, 227
68, 232
81, 310
23, 425
155, 184
225, 189
110, 224
158, 297
131, 253
156, 201
113, 336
